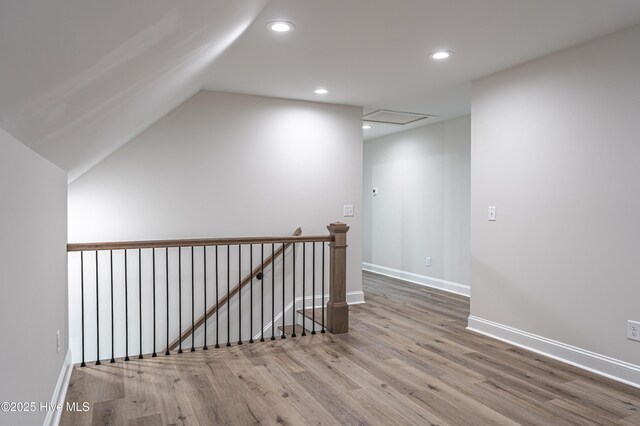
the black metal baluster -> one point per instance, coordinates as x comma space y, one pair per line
217, 301
262, 293
273, 291
293, 297
97, 316
140, 297
283, 336
154, 303
82, 364
166, 262
204, 250
323, 250
313, 288
251, 295
193, 304
239, 294
304, 289
228, 301
179, 300
112, 333
126, 309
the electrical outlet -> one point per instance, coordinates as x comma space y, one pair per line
428, 261
633, 330
347, 210
58, 341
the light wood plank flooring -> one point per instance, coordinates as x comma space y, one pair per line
407, 360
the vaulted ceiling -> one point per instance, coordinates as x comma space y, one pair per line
80, 78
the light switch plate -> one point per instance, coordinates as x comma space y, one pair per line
348, 210
492, 213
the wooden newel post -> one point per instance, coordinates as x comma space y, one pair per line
337, 308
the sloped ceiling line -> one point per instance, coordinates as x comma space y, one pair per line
136, 65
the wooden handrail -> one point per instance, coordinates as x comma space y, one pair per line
335, 314
187, 333
123, 245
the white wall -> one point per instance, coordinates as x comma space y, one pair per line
33, 305
422, 208
556, 147
224, 165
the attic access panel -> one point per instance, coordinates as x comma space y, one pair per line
394, 117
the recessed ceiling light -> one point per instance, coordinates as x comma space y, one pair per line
441, 54
366, 126
321, 91
281, 27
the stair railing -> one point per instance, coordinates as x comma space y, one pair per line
116, 275
253, 274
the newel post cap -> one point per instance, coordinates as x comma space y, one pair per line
338, 228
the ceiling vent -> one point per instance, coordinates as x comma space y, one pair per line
394, 117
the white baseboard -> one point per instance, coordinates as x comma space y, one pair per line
450, 286
60, 391
602, 365
353, 298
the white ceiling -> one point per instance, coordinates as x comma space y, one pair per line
374, 53
80, 78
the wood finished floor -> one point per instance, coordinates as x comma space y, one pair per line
407, 360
